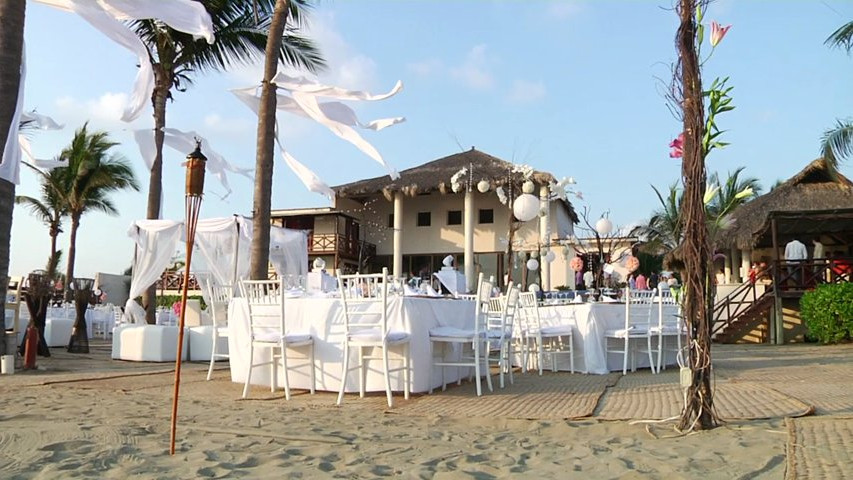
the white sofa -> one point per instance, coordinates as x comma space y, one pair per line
57, 331
148, 343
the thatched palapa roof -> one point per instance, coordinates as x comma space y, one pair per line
812, 201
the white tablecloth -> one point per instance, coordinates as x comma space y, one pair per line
591, 321
323, 318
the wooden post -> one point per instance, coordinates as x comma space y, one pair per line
776, 319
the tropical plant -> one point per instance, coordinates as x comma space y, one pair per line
241, 28
11, 50
827, 312
662, 233
727, 196
276, 42
837, 142
49, 209
91, 174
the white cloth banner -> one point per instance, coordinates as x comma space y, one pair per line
289, 251
10, 164
156, 242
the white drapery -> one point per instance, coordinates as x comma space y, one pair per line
156, 241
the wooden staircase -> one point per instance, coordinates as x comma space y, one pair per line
751, 324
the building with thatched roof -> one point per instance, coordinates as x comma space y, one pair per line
412, 223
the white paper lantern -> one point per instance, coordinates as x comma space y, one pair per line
525, 207
319, 263
534, 254
533, 288
603, 226
550, 256
533, 264
528, 186
483, 186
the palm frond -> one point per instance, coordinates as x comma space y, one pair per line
841, 38
837, 143
35, 206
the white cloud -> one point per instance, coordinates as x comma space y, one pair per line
102, 113
523, 91
475, 72
425, 68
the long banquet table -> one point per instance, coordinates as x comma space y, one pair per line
324, 319
591, 321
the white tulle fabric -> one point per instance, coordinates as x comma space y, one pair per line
156, 242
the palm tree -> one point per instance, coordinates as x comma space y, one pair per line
837, 142
733, 193
241, 34
662, 233
49, 209
11, 49
91, 175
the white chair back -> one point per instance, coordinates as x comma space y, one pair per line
638, 310
642, 296
265, 299
217, 298
529, 312
360, 294
484, 295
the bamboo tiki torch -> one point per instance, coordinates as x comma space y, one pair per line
195, 186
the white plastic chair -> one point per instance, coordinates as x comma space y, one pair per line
365, 303
268, 330
499, 331
637, 327
217, 297
539, 341
670, 324
445, 337
101, 319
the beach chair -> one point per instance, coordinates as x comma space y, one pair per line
669, 325
217, 298
268, 331
499, 331
539, 341
365, 304
443, 338
637, 328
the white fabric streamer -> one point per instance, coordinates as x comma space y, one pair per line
301, 84
10, 164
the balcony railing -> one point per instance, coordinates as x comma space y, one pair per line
175, 281
331, 243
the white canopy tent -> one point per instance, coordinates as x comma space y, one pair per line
222, 246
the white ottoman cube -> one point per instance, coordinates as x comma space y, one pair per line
201, 343
147, 343
57, 331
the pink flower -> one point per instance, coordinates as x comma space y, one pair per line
677, 146
176, 307
718, 32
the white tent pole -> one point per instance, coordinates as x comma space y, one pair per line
236, 254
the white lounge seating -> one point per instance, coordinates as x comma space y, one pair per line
147, 343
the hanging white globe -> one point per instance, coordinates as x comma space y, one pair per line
550, 256
533, 288
483, 186
528, 186
525, 207
319, 263
566, 252
603, 226
533, 264
534, 254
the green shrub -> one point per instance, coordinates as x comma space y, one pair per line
828, 312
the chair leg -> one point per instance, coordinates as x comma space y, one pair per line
625, 358
540, 354
477, 368
249, 371
651, 359
212, 355
571, 354
500, 363
313, 374
509, 362
488, 371
362, 372
661, 350
407, 373
344, 372
284, 367
431, 363
387, 375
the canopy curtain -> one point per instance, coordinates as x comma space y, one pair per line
156, 242
224, 247
288, 249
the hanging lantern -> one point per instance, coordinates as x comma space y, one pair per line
533, 265
604, 226
533, 288
565, 251
534, 254
525, 207
550, 256
483, 186
632, 263
576, 264
528, 186
195, 171
319, 263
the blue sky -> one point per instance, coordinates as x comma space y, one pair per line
568, 87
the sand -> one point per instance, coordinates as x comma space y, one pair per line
790, 412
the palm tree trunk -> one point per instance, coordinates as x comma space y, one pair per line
72, 253
698, 411
12, 13
155, 181
261, 206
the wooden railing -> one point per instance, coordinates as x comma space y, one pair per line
730, 307
331, 243
175, 281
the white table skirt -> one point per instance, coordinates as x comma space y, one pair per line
591, 321
323, 319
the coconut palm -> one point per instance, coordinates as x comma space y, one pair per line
837, 142
11, 48
241, 28
49, 209
734, 192
91, 175
662, 233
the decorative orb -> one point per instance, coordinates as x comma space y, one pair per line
533, 288
603, 226
632, 263
319, 263
550, 256
528, 186
533, 264
483, 186
534, 254
565, 252
448, 261
455, 187
576, 264
525, 207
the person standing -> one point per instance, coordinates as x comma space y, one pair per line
653, 278
818, 256
632, 282
795, 252
641, 282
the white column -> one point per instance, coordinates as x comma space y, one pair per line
398, 234
745, 262
468, 219
727, 268
545, 236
